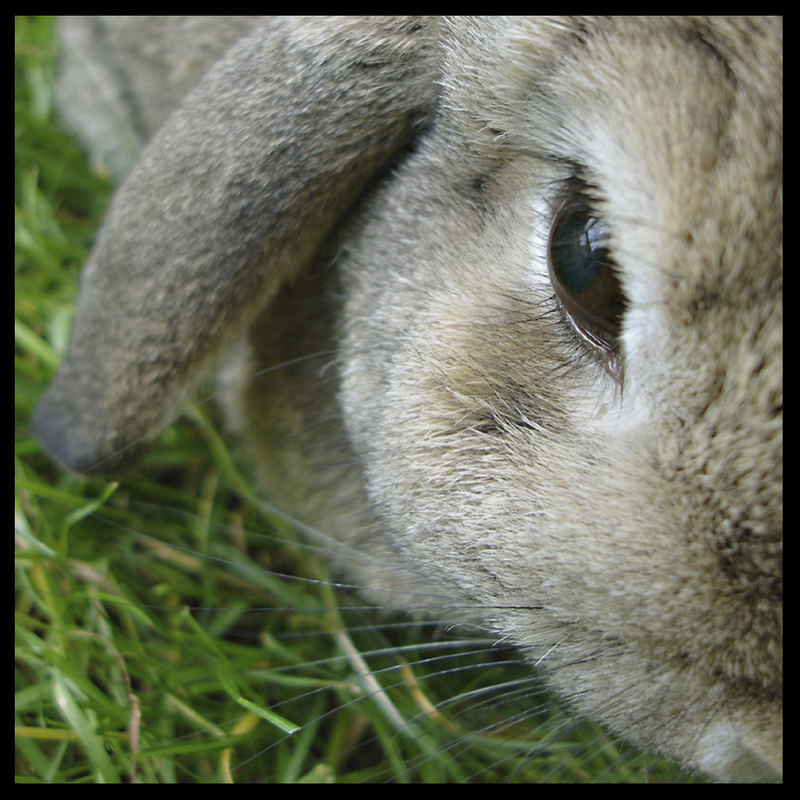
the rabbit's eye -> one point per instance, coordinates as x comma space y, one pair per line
583, 276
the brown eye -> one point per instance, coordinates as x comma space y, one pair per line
583, 276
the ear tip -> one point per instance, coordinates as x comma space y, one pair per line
59, 439
68, 442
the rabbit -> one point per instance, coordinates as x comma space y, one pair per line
524, 279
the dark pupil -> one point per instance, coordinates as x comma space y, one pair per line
582, 262
580, 251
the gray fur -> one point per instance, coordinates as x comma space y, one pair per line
368, 201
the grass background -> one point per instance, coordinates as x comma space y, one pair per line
168, 629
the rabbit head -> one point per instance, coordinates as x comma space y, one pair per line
524, 277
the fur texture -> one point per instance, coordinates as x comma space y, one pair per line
372, 203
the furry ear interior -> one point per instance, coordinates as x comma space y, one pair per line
231, 198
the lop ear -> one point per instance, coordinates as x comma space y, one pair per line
231, 198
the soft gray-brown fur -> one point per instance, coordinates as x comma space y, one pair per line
368, 202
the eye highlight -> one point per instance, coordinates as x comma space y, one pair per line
584, 278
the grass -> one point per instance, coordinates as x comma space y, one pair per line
169, 629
